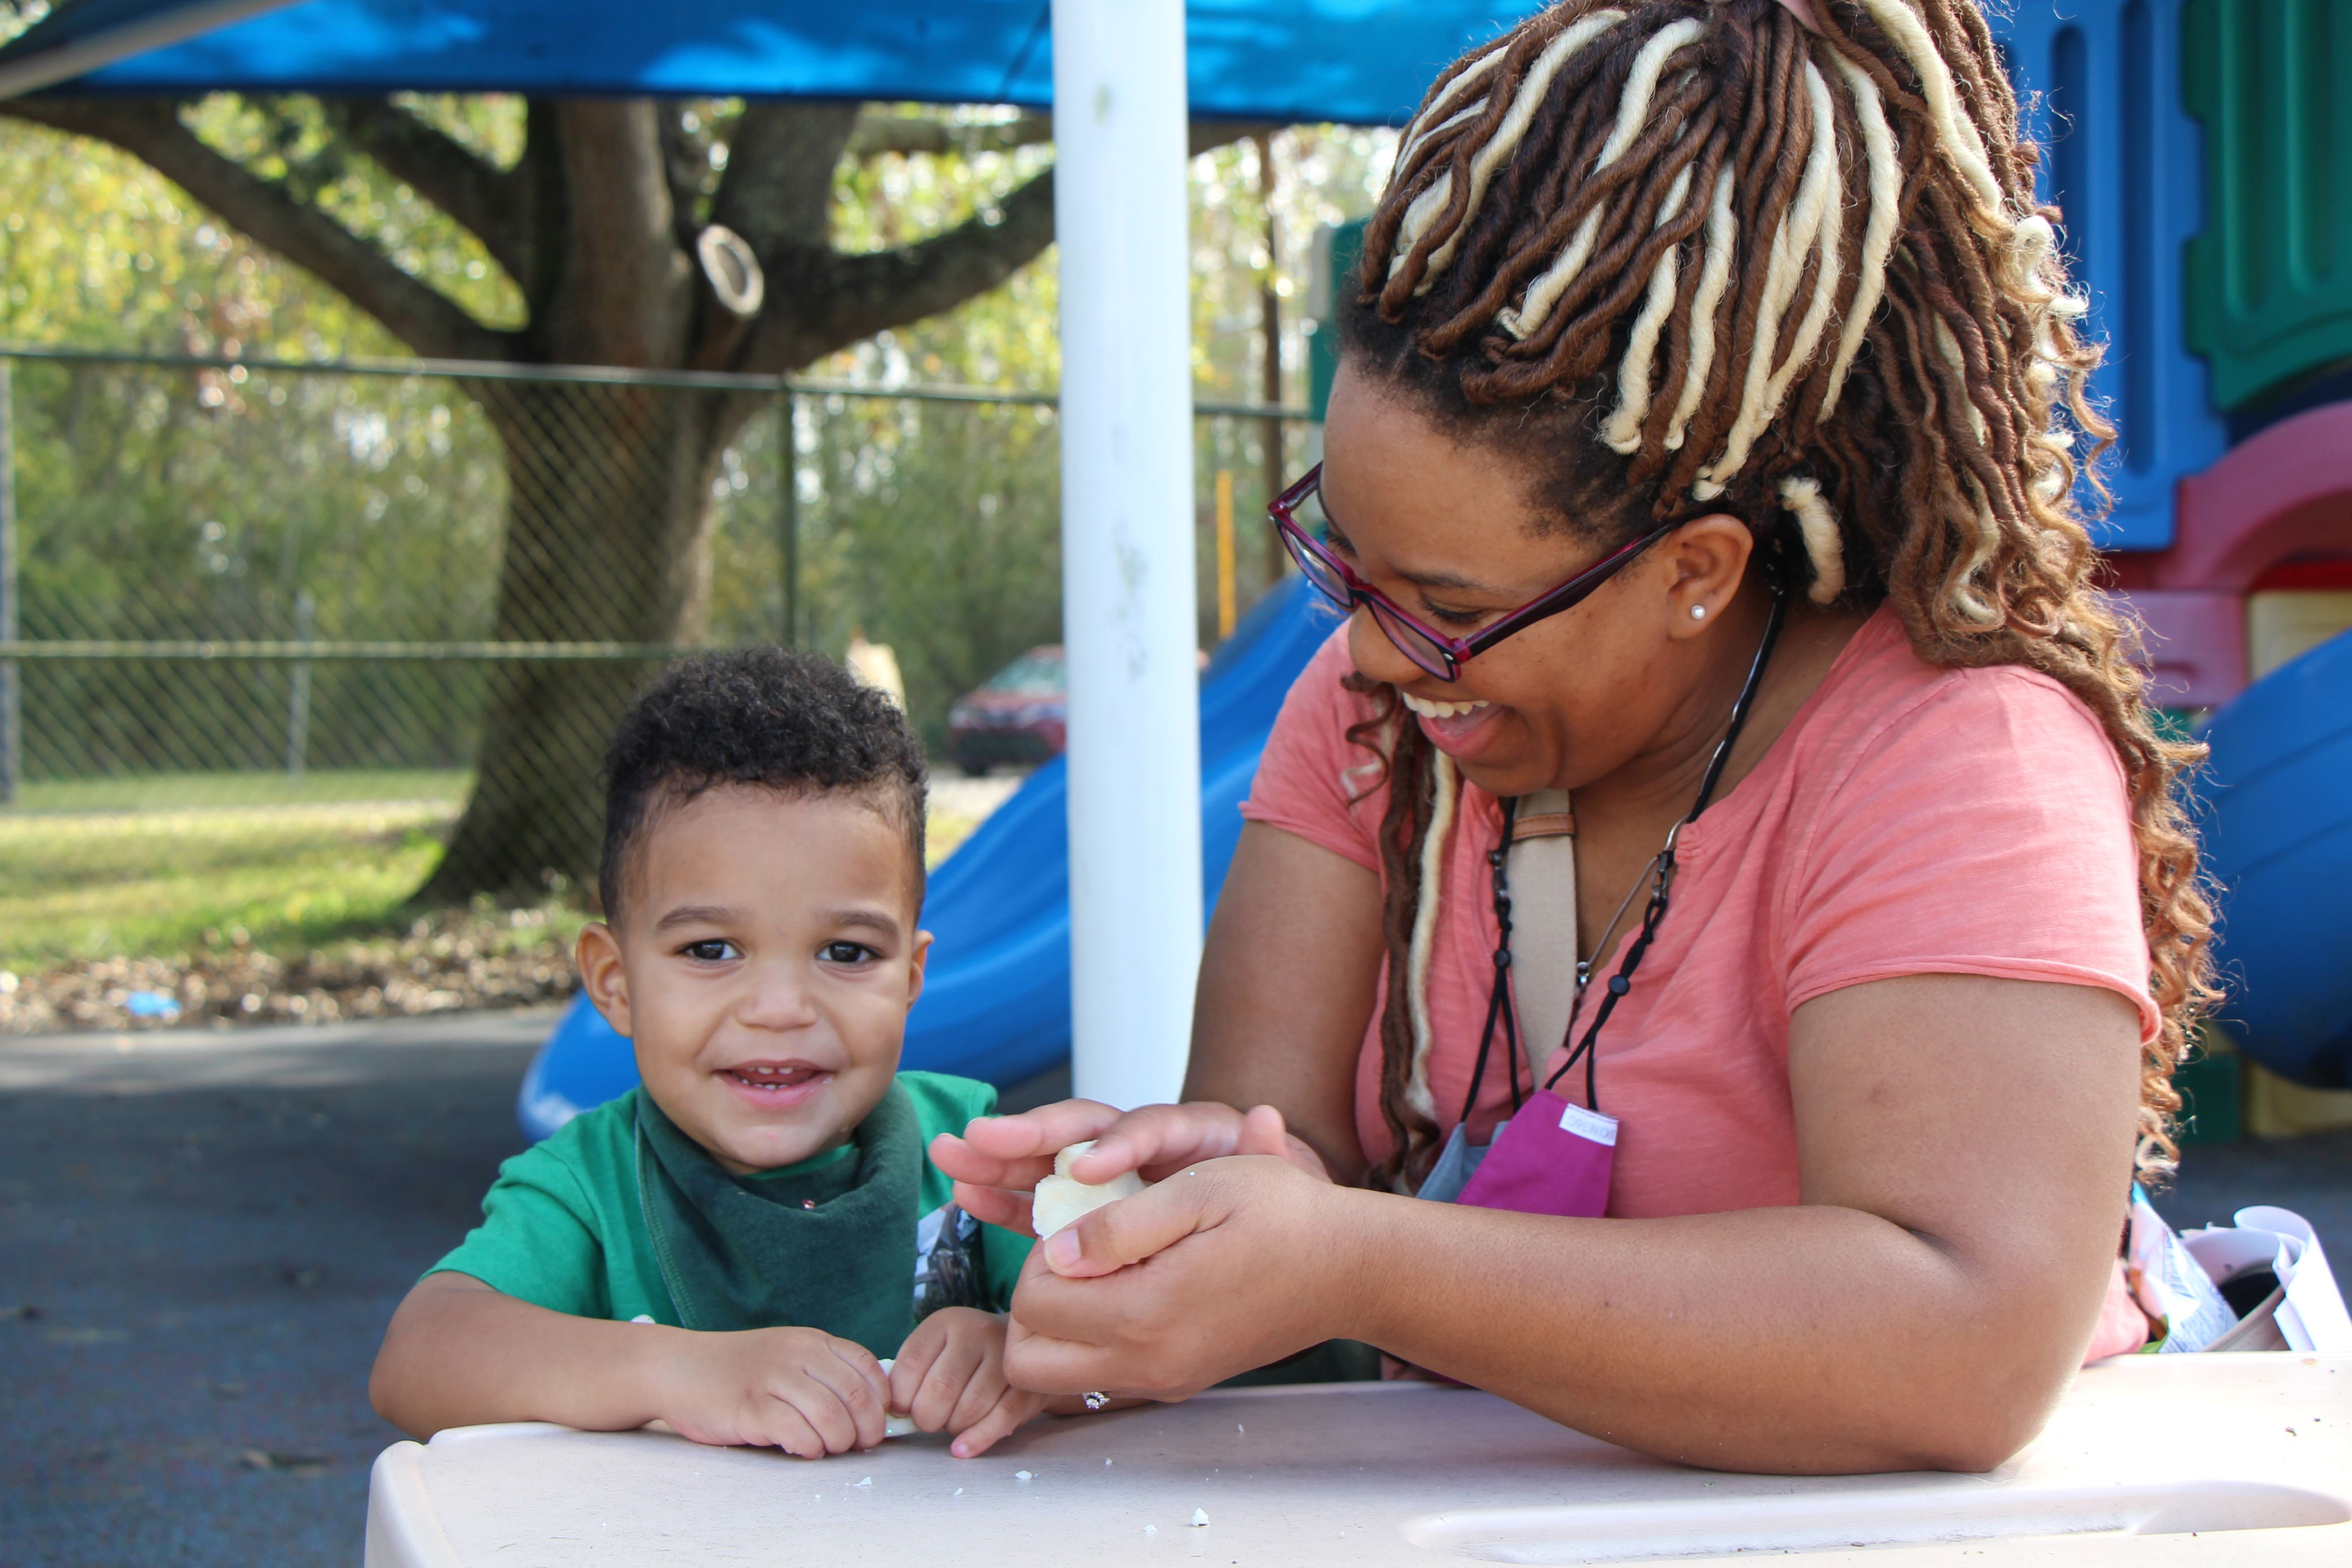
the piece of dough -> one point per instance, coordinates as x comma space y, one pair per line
1062, 1197
895, 1426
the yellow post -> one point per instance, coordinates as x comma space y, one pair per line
1228, 603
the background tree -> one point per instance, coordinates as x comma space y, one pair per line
658, 235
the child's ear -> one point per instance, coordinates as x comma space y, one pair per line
914, 962
601, 974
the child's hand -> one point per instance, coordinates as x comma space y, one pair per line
799, 1390
950, 1374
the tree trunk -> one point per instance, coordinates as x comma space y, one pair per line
609, 499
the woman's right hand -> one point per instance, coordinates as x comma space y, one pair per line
999, 1160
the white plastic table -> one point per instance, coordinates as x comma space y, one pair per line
2149, 1460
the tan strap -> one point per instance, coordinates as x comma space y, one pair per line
1544, 825
1542, 870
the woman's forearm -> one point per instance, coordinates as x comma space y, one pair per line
459, 1354
1787, 1340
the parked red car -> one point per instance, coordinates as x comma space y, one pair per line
1020, 717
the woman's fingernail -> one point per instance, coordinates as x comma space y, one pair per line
1063, 1251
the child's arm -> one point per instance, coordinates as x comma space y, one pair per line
950, 1374
460, 1353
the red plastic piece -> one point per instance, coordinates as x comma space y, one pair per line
2274, 512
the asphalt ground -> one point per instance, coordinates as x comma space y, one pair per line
201, 1235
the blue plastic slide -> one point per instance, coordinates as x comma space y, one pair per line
996, 1000
2277, 824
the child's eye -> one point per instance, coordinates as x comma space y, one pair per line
711, 950
846, 953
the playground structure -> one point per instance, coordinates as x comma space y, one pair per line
2189, 155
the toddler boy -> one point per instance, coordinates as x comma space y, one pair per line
729, 1247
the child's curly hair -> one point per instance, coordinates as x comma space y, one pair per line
1687, 254
769, 717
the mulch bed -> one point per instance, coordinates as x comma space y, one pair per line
459, 960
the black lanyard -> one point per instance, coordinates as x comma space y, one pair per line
1660, 875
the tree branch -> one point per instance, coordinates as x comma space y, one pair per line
825, 300
781, 157
821, 300
628, 288
879, 133
475, 193
149, 128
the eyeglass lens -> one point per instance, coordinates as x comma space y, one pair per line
1307, 516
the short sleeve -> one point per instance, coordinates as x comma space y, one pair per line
1312, 780
1985, 829
538, 1239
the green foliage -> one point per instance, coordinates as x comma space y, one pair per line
157, 882
180, 504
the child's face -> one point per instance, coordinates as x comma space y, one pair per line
764, 962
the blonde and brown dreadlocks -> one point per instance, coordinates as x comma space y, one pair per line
1698, 256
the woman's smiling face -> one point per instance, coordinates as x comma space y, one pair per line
1454, 533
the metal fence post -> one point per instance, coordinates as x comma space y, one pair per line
298, 697
788, 511
12, 748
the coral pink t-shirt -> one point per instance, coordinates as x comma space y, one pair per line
1910, 821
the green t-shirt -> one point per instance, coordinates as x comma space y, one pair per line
561, 1227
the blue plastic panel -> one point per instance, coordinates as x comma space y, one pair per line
2099, 81
2277, 827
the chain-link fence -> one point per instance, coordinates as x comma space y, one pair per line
412, 599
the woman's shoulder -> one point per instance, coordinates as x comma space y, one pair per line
1882, 704
1313, 779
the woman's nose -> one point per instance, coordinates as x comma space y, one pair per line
1375, 656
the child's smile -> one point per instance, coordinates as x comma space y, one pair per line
763, 962
772, 1085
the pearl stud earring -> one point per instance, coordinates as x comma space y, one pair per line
1698, 612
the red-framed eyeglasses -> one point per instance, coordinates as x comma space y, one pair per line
1427, 647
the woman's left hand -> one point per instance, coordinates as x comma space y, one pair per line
1225, 1266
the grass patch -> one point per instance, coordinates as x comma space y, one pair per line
94, 885
179, 791
172, 866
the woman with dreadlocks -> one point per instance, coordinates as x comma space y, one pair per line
1700, 485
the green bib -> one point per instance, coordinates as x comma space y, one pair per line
830, 1249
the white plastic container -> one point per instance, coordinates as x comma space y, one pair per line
2239, 1459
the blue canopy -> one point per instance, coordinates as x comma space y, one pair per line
1354, 61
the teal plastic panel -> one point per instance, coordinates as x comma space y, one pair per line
2270, 281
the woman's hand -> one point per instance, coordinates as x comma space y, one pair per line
999, 1160
1227, 1266
949, 1375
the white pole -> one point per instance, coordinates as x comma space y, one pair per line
1127, 586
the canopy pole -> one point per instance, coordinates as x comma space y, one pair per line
1129, 591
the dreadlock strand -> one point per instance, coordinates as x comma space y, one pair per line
1955, 133
1507, 137
1878, 239
1444, 795
1622, 432
1640, 82
1722, 234
1800, 229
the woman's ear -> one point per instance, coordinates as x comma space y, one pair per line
602, 976
1706, 560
